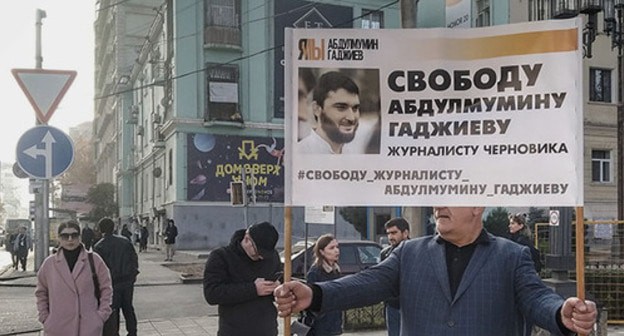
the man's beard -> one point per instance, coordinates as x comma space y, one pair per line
333, 131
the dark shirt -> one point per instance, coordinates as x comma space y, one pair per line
457, 258
72, 257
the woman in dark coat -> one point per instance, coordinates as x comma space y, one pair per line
143, 240
324, 268
520, 233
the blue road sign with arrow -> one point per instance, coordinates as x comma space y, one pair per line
44, 152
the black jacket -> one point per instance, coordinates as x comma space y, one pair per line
385, 253
171, 232
526, 241
328, 323
119, 255
229, 282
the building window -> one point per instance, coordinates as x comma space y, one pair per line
600, 85
222, 93
372, 19
483, 13
539, 10
601, 166
222, 22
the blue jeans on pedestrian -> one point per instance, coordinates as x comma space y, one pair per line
393, 321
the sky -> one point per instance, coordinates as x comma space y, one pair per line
67, 43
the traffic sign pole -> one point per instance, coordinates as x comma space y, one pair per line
44, 90
43, 152
42, 222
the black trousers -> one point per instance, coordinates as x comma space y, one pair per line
122, 300
14, 259
22, 257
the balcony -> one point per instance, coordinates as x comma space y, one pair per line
222, 36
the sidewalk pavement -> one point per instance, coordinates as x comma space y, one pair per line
153, 273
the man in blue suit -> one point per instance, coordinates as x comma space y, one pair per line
462, 281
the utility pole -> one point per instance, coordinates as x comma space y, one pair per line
42, 234
416, 216
620, 126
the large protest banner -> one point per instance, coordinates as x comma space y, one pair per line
482, 116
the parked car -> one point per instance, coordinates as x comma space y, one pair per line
355, 255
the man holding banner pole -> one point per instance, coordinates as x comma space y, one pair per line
461, 281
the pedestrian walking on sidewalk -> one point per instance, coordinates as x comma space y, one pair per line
144, 233
397, 230
325, 268
21, 246
171, 232
69, 299
9, 247
241, 277
126, 232
121, 258
88, 236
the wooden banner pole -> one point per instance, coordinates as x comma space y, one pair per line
287, 260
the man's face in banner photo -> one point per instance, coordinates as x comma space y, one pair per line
339, 116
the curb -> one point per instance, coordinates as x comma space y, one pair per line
27, 331
17, 285
191, 279
15, 277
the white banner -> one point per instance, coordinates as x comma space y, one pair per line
423, 117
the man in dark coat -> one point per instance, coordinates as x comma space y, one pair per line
21, 246
126, 233
143, 238
240, 278
88, 237
462, 281
171, 232
397, 230
119, 255
9, 247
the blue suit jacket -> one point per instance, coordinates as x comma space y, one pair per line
499, 287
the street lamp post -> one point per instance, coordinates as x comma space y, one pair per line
560, 259
613, 27
614, 22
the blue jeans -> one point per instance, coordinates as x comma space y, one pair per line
393, 321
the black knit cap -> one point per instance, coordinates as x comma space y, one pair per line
265, 237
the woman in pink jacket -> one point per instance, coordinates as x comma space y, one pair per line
66, 297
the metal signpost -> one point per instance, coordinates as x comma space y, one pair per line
44, 152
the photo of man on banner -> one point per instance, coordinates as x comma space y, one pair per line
339, 112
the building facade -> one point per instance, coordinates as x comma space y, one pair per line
599, 88
190, 104
188, 93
